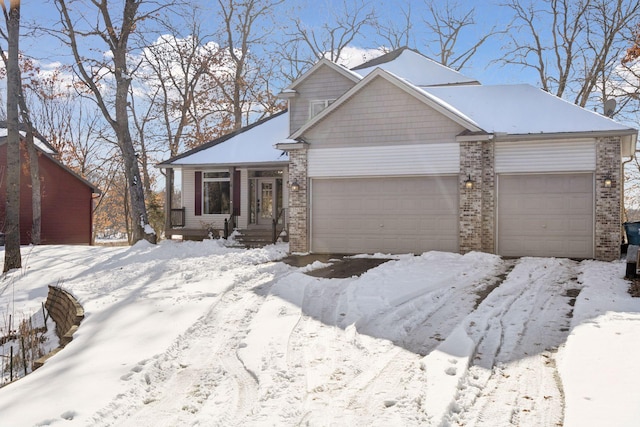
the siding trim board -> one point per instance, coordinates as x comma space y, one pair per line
425, 159
545, 156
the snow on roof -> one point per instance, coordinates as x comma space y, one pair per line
253, 144
520, 110
415, 68
41, 144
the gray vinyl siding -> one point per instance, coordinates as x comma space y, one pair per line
325, 83
382, 114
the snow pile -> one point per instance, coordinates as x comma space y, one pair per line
200, 334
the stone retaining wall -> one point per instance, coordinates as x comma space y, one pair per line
67, 313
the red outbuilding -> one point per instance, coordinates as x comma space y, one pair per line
67, 199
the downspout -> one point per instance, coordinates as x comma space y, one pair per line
623, 213
168, 202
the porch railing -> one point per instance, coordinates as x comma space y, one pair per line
177, 217
231, 222
274, 226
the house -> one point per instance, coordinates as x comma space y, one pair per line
402, 154
66, 198
239, 178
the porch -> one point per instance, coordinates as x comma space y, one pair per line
212, 203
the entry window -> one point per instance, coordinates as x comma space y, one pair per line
216, 193
315, 107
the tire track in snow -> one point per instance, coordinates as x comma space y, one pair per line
517, 331
200, 368
427, 319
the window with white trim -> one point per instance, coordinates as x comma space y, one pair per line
316, 106
216, 193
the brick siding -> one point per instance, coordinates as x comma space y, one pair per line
608, 235
298, 201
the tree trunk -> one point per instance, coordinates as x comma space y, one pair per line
36, 200
12, 256
140, 228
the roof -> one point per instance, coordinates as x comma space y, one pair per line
416, 68
521, 110
497, 109
50, 156
323, 62
38, 139
249, 145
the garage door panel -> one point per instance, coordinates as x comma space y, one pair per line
546, 215
394, 215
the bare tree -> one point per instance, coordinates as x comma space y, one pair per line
570, 45
444, 27
397, 34
12, 256
115, 34
32, 153
305, 44
446, 24
174, 68
242, 31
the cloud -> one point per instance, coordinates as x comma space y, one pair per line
352, 56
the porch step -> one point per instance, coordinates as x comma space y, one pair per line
254, 238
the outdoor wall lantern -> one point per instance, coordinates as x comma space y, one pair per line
295, 186
468, 183
608, 182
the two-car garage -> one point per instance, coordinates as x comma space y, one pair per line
546, 208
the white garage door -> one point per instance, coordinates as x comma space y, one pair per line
389, 215
546, 215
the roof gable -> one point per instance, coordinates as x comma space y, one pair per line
71, 172
418, 93
38, 139
321, 63
416, 68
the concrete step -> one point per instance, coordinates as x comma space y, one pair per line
255, 237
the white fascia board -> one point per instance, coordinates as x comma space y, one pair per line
287, 94
564, 135
293, 145
475, 137
226, 165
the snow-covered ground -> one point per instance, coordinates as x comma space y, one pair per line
196, 334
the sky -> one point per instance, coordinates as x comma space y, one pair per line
314, 13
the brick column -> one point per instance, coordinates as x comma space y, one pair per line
488, 197
608, 200
298, 201
470, 216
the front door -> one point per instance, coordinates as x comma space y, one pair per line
266, 201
